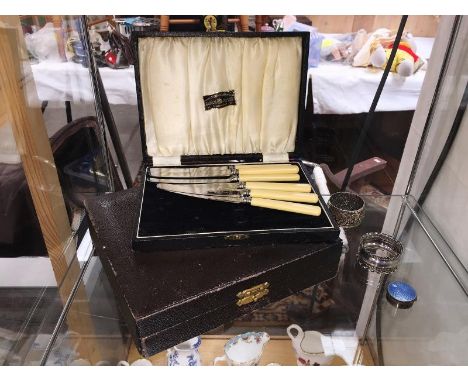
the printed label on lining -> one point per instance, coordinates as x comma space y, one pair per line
219, 100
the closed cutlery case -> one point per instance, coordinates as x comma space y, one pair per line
182, 265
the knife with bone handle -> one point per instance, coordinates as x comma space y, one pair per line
230, 179
223, 171
223, 191
280, 205
286, 187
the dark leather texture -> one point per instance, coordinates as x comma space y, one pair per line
167, 297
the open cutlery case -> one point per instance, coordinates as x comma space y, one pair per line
169, 220
181, 265
221, 99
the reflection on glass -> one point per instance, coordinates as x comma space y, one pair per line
433, 331
331, 308
47, 168
38, 262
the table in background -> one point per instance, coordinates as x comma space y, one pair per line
339, 88
68, 81
336, 88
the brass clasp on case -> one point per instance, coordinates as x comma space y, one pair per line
236, 236
252, 294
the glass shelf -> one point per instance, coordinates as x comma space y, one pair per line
433, 331
32, 306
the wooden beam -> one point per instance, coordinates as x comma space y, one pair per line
184, 21
244, 23
57, 22
3, 112
259, 21
420, 26
363, 22
23, 112
109, 19
164, 23
33, 145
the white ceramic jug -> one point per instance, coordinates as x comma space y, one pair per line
308, 347
313, 348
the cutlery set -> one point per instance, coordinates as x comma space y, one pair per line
273, 186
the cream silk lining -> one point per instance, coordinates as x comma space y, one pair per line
176, 72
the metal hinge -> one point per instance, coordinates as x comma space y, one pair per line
252, 294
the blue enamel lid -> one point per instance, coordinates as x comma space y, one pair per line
401, 294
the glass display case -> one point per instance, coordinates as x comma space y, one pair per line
331, 308
79, 117
433, 330
48, 164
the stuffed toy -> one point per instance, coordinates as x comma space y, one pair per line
363, 47
405, 63
376, 51
333, 49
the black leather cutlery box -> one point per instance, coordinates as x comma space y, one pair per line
167, 297
179, 265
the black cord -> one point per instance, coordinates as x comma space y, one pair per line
370, 115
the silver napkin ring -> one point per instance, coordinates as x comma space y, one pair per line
347, 208
379, 252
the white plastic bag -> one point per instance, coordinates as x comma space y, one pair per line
42, 44
315, 41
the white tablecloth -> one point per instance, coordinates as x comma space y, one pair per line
58, 81
342, 89
336, 88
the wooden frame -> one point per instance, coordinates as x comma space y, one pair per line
22, 110
166, 21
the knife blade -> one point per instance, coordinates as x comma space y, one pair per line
232, 179
280, 186
222, 171
220, 190
280, 205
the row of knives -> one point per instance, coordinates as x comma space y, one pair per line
273, 186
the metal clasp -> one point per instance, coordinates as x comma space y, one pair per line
236, 236
252, 294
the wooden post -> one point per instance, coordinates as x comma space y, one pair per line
33, 145
258, 23
59, 35
23, 111
3, 112
244, 23
164, 23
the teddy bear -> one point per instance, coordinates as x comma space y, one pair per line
376, 50
405, 63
